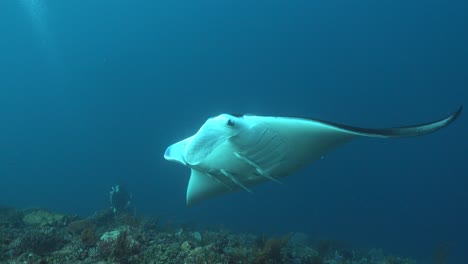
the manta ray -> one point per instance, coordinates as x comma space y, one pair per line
233, 152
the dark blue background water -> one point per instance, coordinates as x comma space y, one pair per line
92, 92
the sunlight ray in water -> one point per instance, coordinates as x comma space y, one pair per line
37, 11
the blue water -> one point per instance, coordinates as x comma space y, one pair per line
92, 93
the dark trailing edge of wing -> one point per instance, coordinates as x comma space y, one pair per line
393, 132
405, 131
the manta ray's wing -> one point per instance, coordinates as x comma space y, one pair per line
310, 139
203, 186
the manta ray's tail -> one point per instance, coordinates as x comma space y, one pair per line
406, 131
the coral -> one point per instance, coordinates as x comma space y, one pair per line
79, 226
201, 255
164, 253
328, 247
238, 254
121, 244
103, 218
127, 219
40, 242
9, 218
88, 236
186, 247
395, 260
271, 252
41, 217
110, 236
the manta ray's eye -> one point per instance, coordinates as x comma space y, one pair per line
230, 122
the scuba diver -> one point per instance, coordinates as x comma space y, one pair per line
120, 199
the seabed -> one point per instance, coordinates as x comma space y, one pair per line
40, 236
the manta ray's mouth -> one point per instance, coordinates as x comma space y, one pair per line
167, 153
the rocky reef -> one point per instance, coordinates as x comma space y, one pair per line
40, 236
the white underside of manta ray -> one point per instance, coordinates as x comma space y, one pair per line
234, 152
